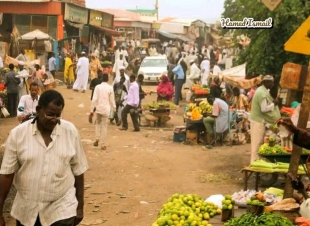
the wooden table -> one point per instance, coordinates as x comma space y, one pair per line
248, 172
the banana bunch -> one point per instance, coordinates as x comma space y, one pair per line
205, 107
190, 107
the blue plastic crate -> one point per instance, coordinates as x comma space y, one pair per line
179, 137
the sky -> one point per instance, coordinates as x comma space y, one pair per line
191, 9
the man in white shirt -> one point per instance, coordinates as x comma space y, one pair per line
205, 69
133, 100
21, 56
28, 103
103, 101
52, 64
82, 73
194, 74
119, 63
138, 43
46, 159
216, 70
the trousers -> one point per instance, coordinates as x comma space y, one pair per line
178, 83
12, 104
65, 222
257, 138
134, 117
101, 127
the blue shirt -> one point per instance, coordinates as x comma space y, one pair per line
178, 70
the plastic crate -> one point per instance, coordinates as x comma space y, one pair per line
179, 137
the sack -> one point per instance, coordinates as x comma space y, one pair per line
5, 112
305, 209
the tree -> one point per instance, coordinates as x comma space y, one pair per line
266, 54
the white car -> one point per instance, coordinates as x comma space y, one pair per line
153, 67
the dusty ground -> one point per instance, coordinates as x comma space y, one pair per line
145, 166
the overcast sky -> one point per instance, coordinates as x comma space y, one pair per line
193, 9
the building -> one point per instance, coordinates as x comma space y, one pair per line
184, 29
68, 24
144, 12
131, 25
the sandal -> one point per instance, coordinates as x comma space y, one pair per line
122, 129
209, 146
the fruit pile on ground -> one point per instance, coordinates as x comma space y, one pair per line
186, 210
198, 89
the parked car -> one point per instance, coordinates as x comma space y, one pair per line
152, 67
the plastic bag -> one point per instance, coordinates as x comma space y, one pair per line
216, 199
5, 112
305, 209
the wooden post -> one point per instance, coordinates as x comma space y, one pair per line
302, 123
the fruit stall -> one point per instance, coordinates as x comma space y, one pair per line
199, 91
193, 118
243, 208
158, 112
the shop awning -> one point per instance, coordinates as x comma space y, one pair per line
108, 31
174, 36
76, 25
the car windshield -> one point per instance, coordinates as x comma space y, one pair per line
154, 63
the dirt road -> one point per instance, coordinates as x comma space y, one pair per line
145, 166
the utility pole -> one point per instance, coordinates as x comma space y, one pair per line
156, 8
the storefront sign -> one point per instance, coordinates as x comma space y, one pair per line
95, 18
76, 14
156, 26
107, 20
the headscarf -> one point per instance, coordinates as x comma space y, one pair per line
164, 79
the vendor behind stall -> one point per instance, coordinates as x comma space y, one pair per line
219, 119
164, 89
241, 103
215, 89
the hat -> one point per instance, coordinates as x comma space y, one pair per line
192, 61
121, 68
83, 52
268, 78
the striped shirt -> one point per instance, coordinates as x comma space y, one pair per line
44, 176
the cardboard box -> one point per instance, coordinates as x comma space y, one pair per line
191, 137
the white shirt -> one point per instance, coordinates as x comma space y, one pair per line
103, 99
44, 176
1, 62
29, 105
194, 72
265, 107
133, 94
216, 70
52, 64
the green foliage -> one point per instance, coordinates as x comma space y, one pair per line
266, 54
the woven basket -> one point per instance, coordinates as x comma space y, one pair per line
150, 117
291, 214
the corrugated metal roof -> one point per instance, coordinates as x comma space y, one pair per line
142, 10
119, 13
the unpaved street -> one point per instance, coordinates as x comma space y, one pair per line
145, 166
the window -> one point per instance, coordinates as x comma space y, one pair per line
154, 63
52, 26
22, 22
39, 22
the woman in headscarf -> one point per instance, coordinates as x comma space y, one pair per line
164, 89
68, 71
94, 66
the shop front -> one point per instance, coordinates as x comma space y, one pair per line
100, 30
133, 29
75, 33
20, 18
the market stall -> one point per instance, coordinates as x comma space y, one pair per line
158, 113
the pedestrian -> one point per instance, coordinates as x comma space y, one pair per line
28, 103
52, 64
82, 73
264, 110
120, 63
205, 70
133, 101
11, 81
22, 57
68, 71
103, 100
49, 178
94, 66
120, 93
180, 71
122, 73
